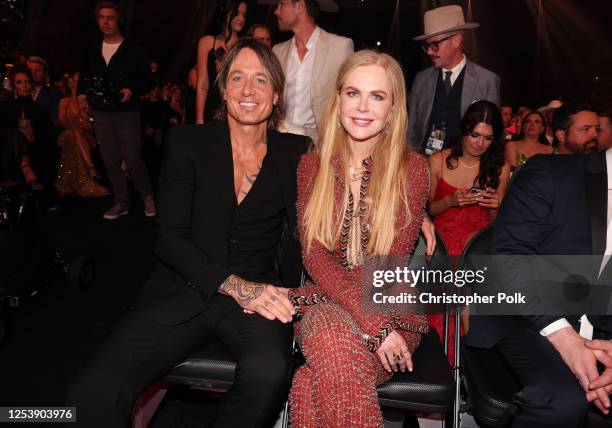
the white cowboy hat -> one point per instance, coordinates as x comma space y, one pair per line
445, 19
324, 5
553, 105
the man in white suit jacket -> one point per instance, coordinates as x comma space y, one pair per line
311, 60
442, 93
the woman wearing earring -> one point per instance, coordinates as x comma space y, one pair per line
210, 53
468, 182
361, 196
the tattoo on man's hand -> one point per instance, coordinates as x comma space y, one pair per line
243, 291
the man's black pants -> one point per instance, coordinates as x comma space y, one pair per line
551, 395
141, 350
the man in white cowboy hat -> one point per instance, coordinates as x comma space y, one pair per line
310, 59
442, 93
548, 111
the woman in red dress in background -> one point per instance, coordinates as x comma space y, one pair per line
361, 193
468, 182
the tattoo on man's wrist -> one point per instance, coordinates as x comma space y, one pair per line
244, 292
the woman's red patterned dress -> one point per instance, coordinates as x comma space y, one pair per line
338, 334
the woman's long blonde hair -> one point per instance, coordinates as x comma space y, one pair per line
388, 188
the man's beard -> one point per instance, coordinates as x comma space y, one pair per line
589, 146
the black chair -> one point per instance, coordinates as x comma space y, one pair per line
429, 388
490, 384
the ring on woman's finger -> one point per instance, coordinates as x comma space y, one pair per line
398, 357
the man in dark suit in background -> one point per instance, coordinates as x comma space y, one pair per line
576, 128
45, 96
117, 75
441, 94
556, 205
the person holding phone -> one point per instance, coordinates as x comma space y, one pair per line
468, 182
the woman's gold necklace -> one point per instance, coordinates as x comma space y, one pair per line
469, 166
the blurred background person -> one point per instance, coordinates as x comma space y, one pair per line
262, 34
46, 96
548, 111
33, 122
166, 91
311, 60
605, 127
210, 54
531, 141
118, 74
509, 130
468, 182
176, 106
77, 173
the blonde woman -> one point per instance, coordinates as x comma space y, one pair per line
361, 193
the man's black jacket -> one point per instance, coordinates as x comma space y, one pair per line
128, 68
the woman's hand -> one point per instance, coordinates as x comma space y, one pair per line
429, 231
489, 199
463, 197
394, 354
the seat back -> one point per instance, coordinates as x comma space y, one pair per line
439, 260
489, 381
479, 244
430, 387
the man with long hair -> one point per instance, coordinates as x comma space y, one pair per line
227, 190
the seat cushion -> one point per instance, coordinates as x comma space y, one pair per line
430, 386
208, 367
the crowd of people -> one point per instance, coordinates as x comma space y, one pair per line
311, 137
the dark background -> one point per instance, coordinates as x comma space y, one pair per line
542, 49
